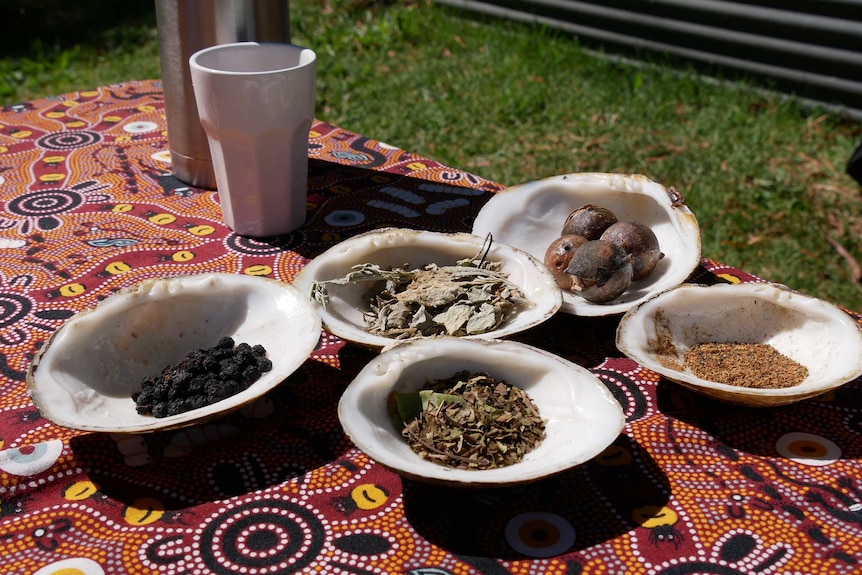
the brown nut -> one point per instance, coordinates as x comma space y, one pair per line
638, 240
602, 271
588, 221
559, 254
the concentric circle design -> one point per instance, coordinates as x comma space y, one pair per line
140, 127
342, 218
13, 307
807, 448
31, 459
44, 203
253, 247
269, 536
68, 140
540, 534
162, 156
73, 566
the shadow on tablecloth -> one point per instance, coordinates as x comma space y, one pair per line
600, 500
292, 430
348, 200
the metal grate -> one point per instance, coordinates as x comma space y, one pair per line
809, 48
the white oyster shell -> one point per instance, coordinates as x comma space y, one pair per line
582, 417
84, 376
397, 247
810, 331
530, 216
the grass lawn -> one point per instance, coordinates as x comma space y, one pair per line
513, 103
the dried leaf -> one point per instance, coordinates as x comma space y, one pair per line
470, 297
483, 320
454, 318
470, 421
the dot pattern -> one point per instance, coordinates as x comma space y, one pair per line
88, 206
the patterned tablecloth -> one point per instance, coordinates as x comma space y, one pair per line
88, 206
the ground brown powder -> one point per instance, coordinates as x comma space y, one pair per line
744, 365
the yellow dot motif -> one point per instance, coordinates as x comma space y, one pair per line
80, 490
731, 278
144, 511
202, 230
72, 289
258, 270
162, 219
115, 268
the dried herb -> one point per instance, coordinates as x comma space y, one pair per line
470, 297
469, 421
744, 364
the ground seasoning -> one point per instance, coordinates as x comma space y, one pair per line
470, 421
756, 365
202, 377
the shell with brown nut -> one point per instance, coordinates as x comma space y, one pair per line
530, 216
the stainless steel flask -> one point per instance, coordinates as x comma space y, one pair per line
186, 26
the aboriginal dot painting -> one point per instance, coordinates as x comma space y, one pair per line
88, 206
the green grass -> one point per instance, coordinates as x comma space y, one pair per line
513, 103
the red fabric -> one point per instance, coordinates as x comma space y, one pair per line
88, 206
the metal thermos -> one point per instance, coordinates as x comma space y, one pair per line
186, 26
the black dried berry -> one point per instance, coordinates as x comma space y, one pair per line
202, 377
175, 407
196, 402
250, 374
145, 396
196, 385
160, 409
210, 363
160, 391
229, 367
264, 364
